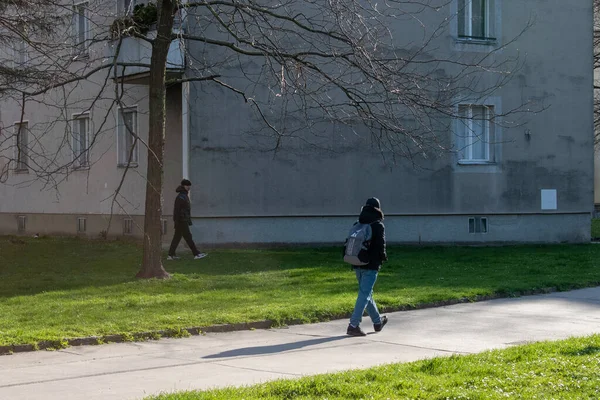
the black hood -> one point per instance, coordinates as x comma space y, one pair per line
181, 189
370, 214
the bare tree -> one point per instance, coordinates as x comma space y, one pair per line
376, 69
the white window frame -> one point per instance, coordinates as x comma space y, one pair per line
123, 154
21, 158
124, 9
466, 134
21, 55
464, 18
79, 160
81, 39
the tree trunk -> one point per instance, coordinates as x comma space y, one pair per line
151, 262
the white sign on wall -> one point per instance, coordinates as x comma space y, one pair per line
549, 199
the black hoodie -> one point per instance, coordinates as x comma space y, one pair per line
182, 209
377, 254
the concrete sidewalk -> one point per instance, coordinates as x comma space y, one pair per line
134, 370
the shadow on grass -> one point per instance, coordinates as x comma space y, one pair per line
586, 351
277, 348
32, 266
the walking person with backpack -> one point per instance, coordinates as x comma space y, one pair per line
182, 216
365, 250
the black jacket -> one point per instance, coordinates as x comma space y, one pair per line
377, 253
182, 210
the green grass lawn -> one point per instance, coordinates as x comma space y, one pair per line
567, 369
56, 288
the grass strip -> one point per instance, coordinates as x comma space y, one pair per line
568, 369
54, 289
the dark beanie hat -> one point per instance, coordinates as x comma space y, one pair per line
186, 182
373, 202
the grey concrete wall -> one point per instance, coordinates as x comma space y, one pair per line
552, 149
66, 225
412, 229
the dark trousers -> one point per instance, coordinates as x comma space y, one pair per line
182, 229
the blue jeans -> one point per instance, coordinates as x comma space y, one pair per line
366, 280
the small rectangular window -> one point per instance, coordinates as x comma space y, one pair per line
81, 141
127, 226
126, 6
475, 133
81, 225
164, 227
471, 225
21, 54
127, 137
21, 223
478, 225
476, 19
81, 28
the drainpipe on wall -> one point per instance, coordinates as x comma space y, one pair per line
185, 130
185, 106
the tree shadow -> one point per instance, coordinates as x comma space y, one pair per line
586, 351
244, 261
277, 348
31, 266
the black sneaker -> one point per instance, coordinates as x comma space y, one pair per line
355, 331
378, 327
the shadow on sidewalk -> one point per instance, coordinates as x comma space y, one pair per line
277, 348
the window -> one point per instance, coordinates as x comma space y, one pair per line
22, 146
164, 226
126, 137
81, 225
126, 6
475, 133
81, 140
476, 19
21, 223
81, 28
478, 225
20, 53
127, 226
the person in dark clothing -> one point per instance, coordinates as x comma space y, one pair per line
367, 274
182, 217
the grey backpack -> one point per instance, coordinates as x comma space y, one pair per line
357, 244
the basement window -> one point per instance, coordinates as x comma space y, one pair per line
478, 225
127, 226
81, 225
21, 223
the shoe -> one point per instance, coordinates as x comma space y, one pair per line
355, 331
171, 258
378, 327
199, 256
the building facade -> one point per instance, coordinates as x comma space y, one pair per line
526, 176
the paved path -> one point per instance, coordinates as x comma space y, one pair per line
134, 370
